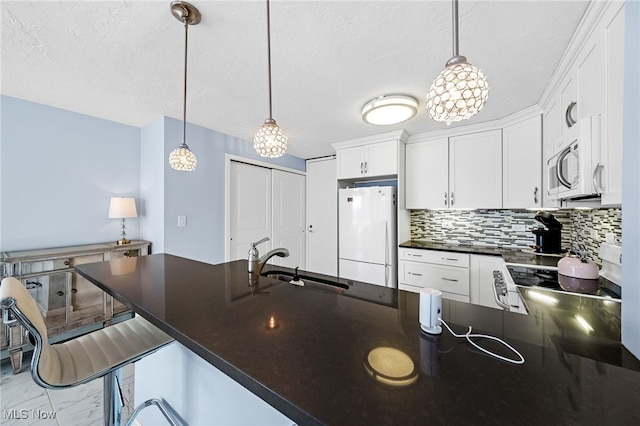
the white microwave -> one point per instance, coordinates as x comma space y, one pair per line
573, 171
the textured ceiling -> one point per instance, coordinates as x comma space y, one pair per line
123, 60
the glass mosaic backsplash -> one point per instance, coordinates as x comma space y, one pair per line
512, 228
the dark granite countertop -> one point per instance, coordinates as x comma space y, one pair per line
311, 366
516, 256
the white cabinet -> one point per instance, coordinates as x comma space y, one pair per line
481, 279
569, 106
457, 172
522, 164
366, 161
550, 135
427, 174
475, 170
444, 271
611, 147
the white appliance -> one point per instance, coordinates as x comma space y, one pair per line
367, 246
574, 171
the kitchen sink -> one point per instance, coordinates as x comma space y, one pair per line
287, 276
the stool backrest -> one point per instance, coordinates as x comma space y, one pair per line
29, 316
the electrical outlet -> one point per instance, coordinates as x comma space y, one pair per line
519, 228
594, 234
610, 237
182, 221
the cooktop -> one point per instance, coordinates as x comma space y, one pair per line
548, 279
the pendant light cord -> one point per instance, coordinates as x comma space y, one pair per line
269, 56
455, 28
184, 104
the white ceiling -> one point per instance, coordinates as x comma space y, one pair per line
123, 60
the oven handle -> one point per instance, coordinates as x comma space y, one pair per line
559, 171
500, 303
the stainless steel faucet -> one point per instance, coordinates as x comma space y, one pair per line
256, 263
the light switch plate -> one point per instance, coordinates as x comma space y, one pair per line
182, 221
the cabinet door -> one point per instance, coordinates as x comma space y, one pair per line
569, 107
475, 170
350, 162
443, 278
611, 178
427, 174
381, 159
522, 164
591, 77
551, 134
481, 280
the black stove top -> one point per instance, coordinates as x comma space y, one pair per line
548, 279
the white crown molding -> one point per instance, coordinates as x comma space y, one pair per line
588, 24
514, 118
382, 137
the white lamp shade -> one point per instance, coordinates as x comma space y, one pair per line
121, 207
270, 141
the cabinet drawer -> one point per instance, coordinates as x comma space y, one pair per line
443, 278
435, 256
445, 294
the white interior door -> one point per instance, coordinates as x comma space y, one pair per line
322, 217
289, 218
250, 208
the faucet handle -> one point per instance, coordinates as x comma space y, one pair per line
264, 240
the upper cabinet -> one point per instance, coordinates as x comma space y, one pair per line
457, 172
365, 161
522, 164
368, 158
589, 86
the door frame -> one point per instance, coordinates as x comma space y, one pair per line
228, 158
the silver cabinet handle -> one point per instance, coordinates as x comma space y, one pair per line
414, 255
365, 167
597, 187
568, 115
445, 198
452, 200
535, 195
361, 168
449, 279
414, 274
451, 259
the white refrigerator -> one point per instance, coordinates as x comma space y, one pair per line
367, 243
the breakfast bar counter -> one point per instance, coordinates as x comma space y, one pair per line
308, 351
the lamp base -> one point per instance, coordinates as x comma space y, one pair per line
123, 241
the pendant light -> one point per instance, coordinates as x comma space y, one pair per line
460, 90
270, 141
182, 158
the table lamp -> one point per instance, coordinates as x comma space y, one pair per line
121, 208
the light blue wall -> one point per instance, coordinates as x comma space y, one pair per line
631, 182
200, 195
152, 184
58, 170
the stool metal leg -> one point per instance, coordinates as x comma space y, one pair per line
161, 406
112, 398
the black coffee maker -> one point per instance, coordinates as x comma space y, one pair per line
548, 240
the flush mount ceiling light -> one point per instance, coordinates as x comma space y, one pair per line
182, 158
460, 90
389, 109
270, 141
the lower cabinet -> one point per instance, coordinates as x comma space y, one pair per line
481, 280
444, 271
70, 304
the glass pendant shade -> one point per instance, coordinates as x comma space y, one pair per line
182, 159
270, 141
459, 92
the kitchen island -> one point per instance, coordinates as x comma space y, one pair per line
305, 350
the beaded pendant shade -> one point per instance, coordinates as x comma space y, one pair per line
460, 90
270, 141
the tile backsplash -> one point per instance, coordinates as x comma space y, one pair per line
503, 228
